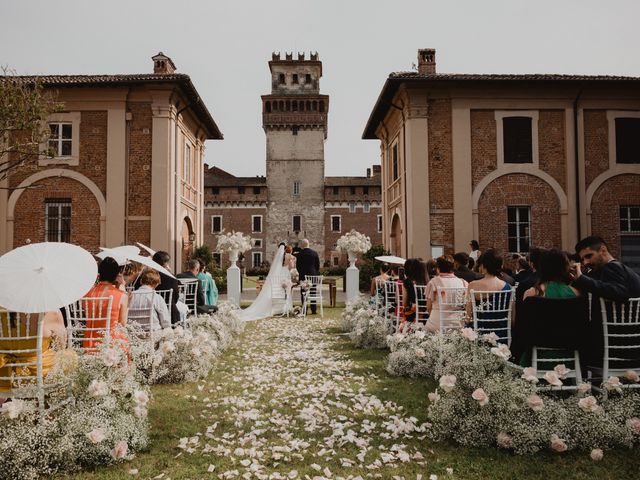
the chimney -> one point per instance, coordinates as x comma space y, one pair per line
368, 173
427, 61
377, 170
162, 64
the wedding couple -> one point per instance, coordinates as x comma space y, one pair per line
305, 261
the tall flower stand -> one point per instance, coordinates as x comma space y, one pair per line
233, 279
353, 278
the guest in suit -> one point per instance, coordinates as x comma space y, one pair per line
308, 263
461, 269
167, 283
193, 268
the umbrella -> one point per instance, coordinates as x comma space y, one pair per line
123, 251
118, 257
151, 251
122, 257
46, 276
391, 259
148, 262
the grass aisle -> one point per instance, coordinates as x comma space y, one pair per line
295, 399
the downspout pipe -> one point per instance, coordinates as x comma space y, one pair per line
577, 162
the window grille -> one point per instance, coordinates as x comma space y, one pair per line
57, 220
335, 223
519, 228
216, 223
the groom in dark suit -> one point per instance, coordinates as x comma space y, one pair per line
307, 263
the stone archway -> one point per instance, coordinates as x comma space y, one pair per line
188, 236
396, 236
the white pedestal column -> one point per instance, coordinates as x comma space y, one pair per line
353, 279
233, 280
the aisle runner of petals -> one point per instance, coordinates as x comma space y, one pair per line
303, 413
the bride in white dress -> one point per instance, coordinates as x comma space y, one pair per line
264, 305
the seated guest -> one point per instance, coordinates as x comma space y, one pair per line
490, 265
605, 277
130, 274
461, 269
208, 284
193, 268
168, 283
553, 277
54, 333
444, 279
145, 298
431, 267
383, 276
415, 273
109, 275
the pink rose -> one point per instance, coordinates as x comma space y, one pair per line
140, 411
588, 404
98, 388
502, 351
110, 357
632, 376
120, 450
558, 444
584, 387
420, 353
504, 440
613, 383
535, 402
561, 370
529, 374
634, 425
141, 397
469, 333
434, 396
596, 454
492, 338
448, 382
553, 379
167, 347
480, 396
96, 435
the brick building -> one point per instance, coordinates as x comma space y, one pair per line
295, 200
514, 161
129, 163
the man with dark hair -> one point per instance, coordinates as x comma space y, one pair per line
308, 263
168, 283
604, 277
193, 268
461, 270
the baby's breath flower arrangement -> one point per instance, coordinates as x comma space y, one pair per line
366, 328
233, 241
354, 242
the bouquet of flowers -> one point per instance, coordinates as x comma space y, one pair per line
305, 285
355, 242
233, 241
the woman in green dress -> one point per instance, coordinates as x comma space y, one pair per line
208, 285
554, 277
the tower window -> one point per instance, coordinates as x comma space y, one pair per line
241, 190
295, 78
321, 106
294, 129
365, 190
296, 188
215, 190
297, 224
281, 79
256, 190
307, 78
336, 190
335, 223
353, 190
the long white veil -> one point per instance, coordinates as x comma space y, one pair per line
262, 307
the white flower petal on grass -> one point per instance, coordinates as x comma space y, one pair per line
211, 468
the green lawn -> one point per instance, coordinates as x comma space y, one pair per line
177, 411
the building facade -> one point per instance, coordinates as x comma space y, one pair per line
295, 200
514, 161
128, 165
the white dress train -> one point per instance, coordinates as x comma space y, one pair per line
262, 306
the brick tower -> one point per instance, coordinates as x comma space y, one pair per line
294, 118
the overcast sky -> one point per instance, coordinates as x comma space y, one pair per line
225, 46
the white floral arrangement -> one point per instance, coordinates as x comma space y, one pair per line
305, 284
354, 242
366, 328
233, 241
106, 424
185, 354
482, 400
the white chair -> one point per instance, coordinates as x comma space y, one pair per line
621, 333
452, 304
189, 288
167, 296
492, 312
421, 304
313, 294
545, 359
141, 309
280, 294
21, 355
379, 295
393, 304
97, 310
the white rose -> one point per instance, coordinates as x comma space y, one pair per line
167, 347
110, 357
470, 334
98, 388
96, 435
448, 382
596, 454
420, 353
553, 379
492, 338
480, 396
529, 374
12, 409
433, 396
502, 351
558, 444
535, 402
561, 370
613, 383
584, 387
588, 404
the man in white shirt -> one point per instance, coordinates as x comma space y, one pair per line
146, 307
